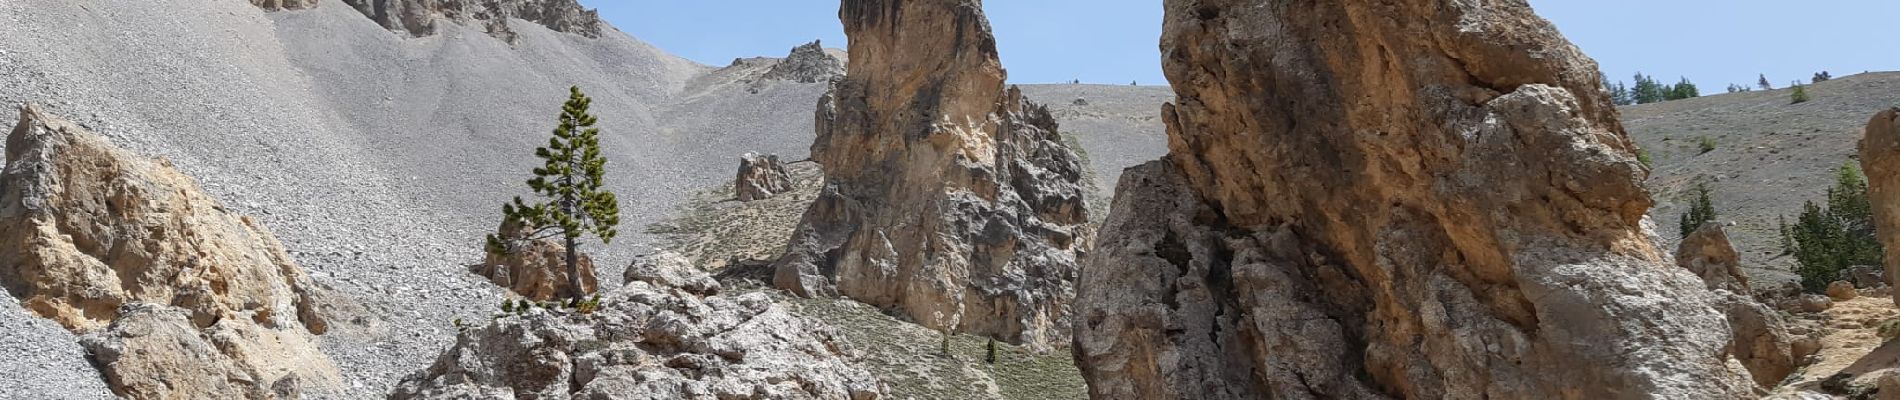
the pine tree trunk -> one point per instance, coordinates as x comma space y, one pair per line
573, 270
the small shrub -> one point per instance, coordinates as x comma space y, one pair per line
991, 356
1800, 94
1706, 144
1890, 329
945, 346
508, 306
1643, 157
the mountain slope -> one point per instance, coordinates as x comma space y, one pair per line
1770, 156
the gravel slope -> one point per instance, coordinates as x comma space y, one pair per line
1770, 156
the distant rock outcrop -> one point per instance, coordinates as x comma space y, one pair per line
807, 64
760, 177
419, 17
1404, 199
187, 299
948, 197
1707, 253
535, 269
653, 341
1880, 159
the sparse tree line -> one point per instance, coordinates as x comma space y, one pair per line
1648, 90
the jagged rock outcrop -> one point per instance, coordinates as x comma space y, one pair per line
807, 64
419, 17
1762, 342
1708, 253
670, 269
948, 198
276, 5
1880, 159
761, 177
89, 232
650, 341
535, 269
1404, 199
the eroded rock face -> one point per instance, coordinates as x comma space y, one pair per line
535, 269
1762, 341
948, 197
651, 341
761, 177
88, 230
1880, 159
419, 17
807, 64
1410, 199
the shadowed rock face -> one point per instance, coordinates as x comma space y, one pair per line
948, 197
1413, 199
419, 17
90, 234
1880, 159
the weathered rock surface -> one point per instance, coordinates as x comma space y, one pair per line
535, 269
276, 5
1409, 199
948, 197
809, 63
1880, 160
761, 177
88, 230
1762, 341
669, 269
650, 341
419, 17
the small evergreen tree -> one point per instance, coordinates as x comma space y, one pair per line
991, 357
1828, 240
1681, 90
572, 179
1800, 94
1764, 83
1706, 144
1642, 156
1822, 76
1647, 90
1701, 211
1787, 235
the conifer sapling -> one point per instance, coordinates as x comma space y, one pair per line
571, 182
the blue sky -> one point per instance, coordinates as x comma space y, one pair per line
1711, 42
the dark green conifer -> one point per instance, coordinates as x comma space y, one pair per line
571, 182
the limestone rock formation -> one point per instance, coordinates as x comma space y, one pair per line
535, 269
1762, 341
1841, 291
948, 197
761, 177
669, 269
419, 17
650, 341
808, 63
1406, 199
1880, 160
1708, 254
88, 231
276, 5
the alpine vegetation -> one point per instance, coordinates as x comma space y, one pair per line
573, 185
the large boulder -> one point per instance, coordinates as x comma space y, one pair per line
1880, 160
1404, 199
88, 230
535, 268
948, 197
760, 177
649, 341
1762, 342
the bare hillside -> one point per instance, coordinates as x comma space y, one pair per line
1770, 155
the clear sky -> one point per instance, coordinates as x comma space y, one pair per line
1711, 42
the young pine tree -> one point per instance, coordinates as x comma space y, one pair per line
572, 182
1829, 239
1800, 94
1764, 83
1701, 211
